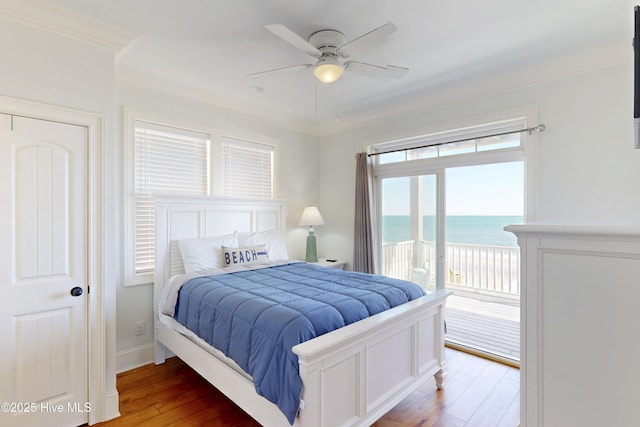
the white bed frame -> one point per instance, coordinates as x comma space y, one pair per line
351, 376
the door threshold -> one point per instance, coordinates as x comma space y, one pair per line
484, 354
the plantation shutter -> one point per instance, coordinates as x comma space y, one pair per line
166, 160
248, 169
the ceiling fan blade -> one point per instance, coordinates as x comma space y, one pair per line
396, 72
293, 39
371, 38
377, 71
279, 71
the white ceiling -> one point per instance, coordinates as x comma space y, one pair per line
452, 47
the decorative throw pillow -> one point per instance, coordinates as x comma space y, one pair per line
246, 255
205, 253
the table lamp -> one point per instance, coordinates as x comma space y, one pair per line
311, 216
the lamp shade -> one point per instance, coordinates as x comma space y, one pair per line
328, 69
311, 216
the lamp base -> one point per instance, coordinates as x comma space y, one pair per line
312, 255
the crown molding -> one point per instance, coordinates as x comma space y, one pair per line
130, 80
535, 75
403, 106
66, 22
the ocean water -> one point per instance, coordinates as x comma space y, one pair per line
478, 230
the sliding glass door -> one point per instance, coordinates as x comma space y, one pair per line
445, 230
443, 201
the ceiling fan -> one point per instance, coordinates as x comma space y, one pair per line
330, 45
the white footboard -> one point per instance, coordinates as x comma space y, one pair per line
355, 375
351, 377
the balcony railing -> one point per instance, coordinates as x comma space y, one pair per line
493, 270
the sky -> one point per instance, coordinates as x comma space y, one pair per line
496, 189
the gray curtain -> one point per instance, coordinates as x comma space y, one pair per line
364, 251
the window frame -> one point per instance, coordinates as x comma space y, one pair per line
456, 136
131, 117
218, 164
216, 173
526, 153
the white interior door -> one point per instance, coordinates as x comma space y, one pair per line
43, 256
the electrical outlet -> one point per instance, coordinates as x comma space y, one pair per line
141, 327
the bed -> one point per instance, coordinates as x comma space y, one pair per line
350, 376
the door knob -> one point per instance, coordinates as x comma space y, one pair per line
76, 292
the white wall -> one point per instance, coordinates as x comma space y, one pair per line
45, 68
585, 168
296, 180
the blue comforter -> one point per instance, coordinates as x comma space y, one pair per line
255, 317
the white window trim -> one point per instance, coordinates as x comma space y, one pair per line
470, 133
131, 116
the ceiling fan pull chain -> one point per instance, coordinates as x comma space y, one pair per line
335, 100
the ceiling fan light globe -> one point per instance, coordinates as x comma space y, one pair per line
328, 72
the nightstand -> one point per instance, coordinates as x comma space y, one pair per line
334, 263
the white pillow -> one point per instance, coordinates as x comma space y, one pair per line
273, 240
245, 255
205, 253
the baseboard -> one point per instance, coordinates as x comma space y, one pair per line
134, 358
112, 406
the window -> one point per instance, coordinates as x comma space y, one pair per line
176, 159
247, 169
165, 160
470, 141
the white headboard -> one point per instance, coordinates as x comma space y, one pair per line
180, 217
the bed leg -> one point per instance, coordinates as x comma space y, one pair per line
159, 350
439, 376
159, 353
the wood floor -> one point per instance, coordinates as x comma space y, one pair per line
477, 393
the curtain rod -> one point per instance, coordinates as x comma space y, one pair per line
539, 128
